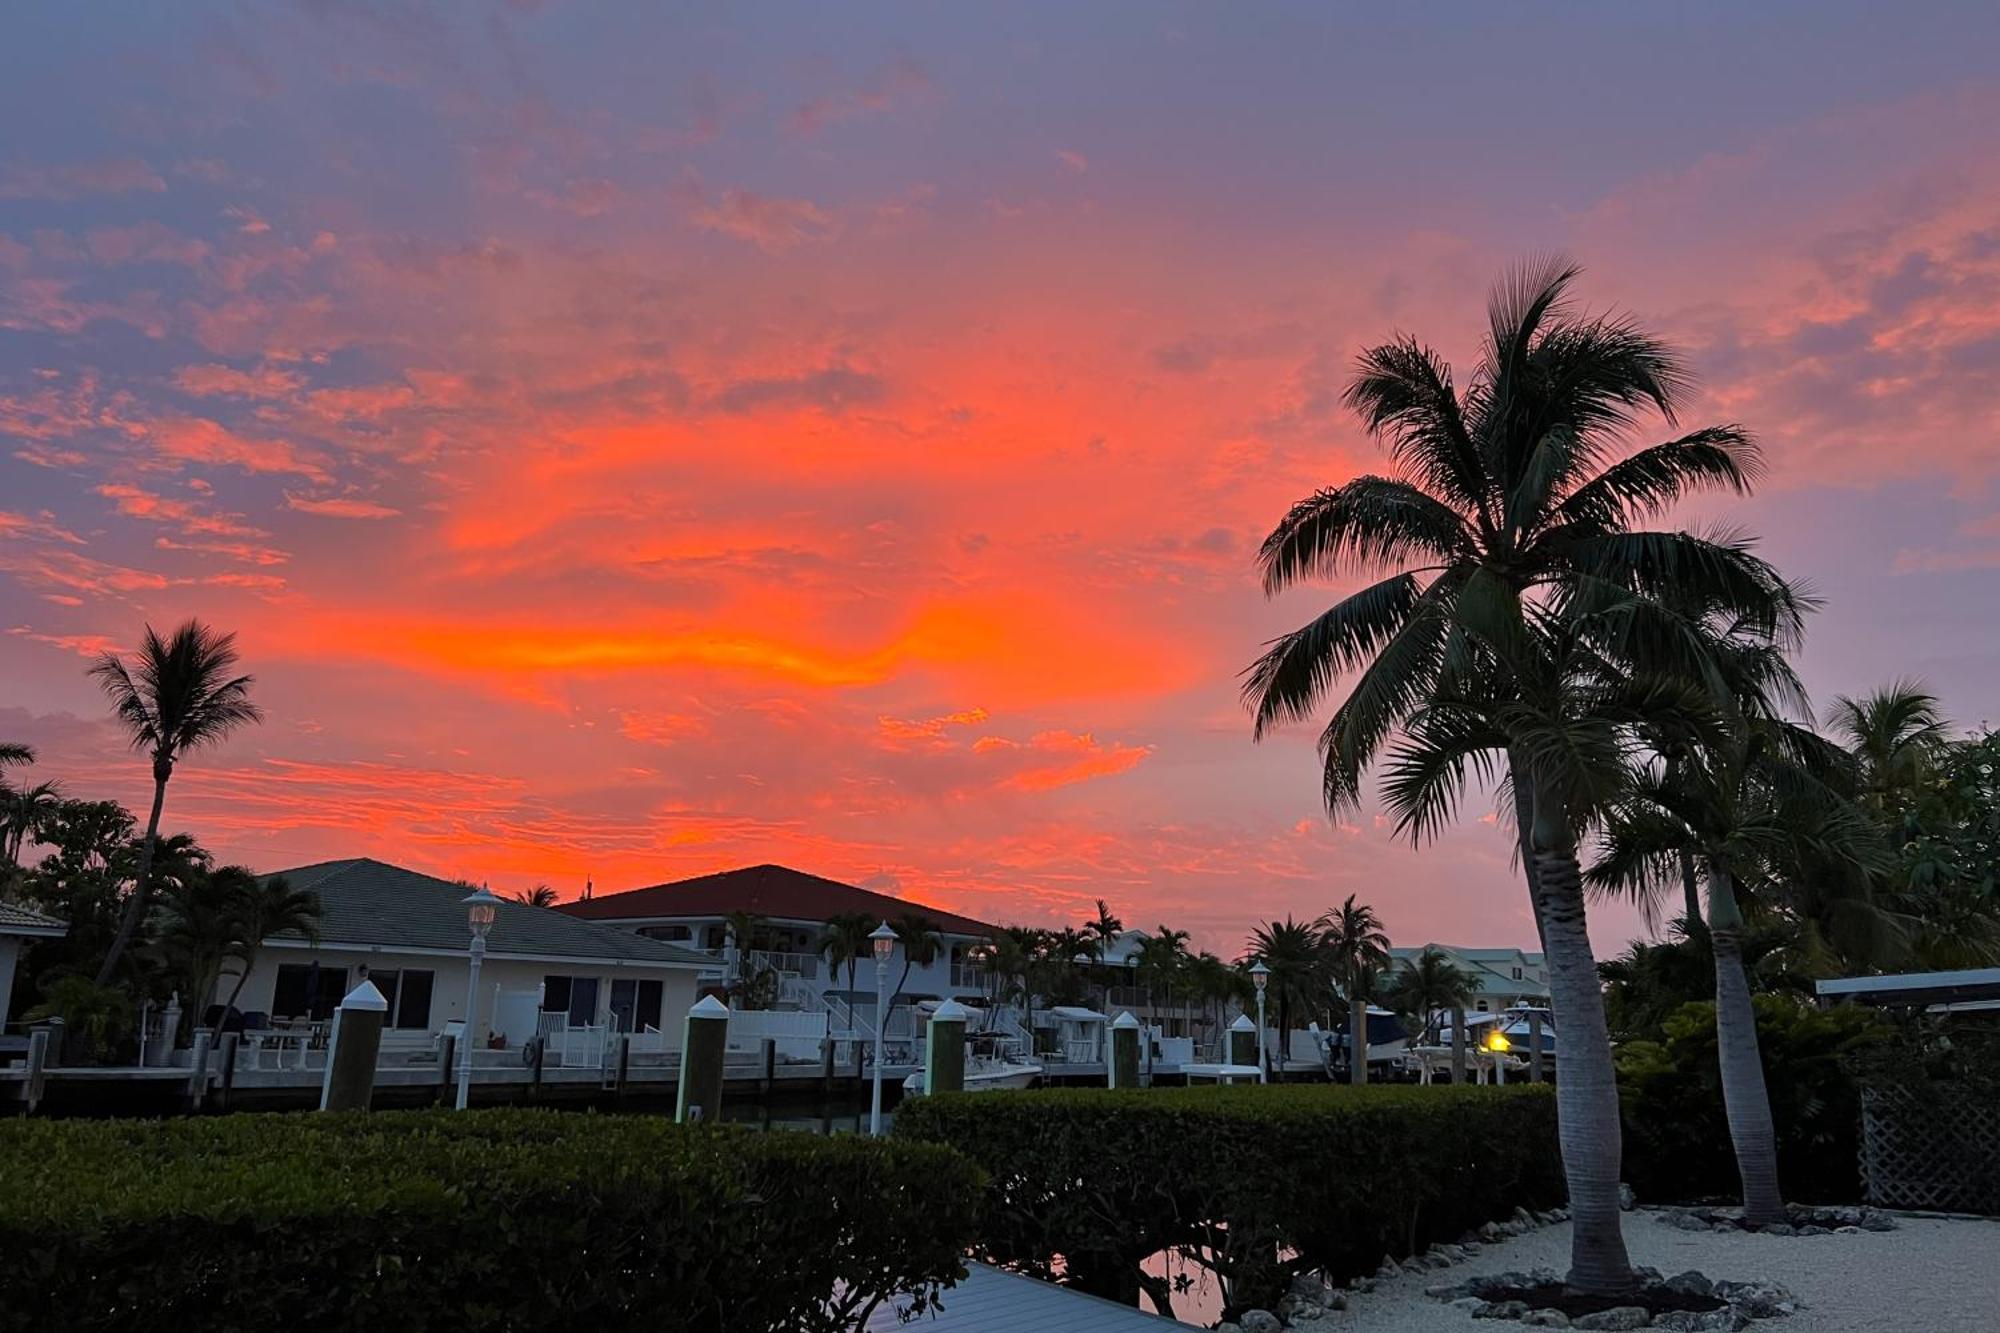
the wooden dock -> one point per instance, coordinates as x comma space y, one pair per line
991, 1300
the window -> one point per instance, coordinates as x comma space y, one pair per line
1482, 1006
307, 990
575, 997
677, 933
413, 1000
1517, 974
635, 1004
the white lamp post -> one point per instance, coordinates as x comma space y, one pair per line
1145, 1033
479, 919
1262, 976
884, 939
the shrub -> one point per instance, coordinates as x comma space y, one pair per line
1676, 1133
489, 1220
1250, 1182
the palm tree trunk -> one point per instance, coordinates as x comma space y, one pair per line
1524, 825
1586, 1085
249, 961
142, 887
1357, 1032
1744, 1096
1690, 894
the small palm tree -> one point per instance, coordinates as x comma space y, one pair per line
1897, 735
268, 908
1428, 985
1358, 948
178, 695
921, 945
845, 944
541, 895
203, 929
1300, 965
1163, 960
24, 811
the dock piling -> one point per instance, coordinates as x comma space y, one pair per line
1243, 1042
447, 1050
38, 1064
944, 1049
1122, 1070
705, 1040
351, 1051
197, 1085
1534, 1047
1457, 1046
227, 1047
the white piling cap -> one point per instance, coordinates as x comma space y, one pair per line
951, 1011
365, 997
709, 1007
1125, 1020
1242, 1024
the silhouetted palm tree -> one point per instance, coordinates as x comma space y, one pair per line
921, 944
270, 907
1897, 736
178, 695
23, 812
1427, 985
1358, 948
845, 944
1301, 968
541, 895
1512, 583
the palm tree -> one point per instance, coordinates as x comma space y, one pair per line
1296, 954
845, 944
1359, 949
178, 695
14, 752
1897, 735
1016, 958
203, 929
23, 812
541, 895
1163, 959
921, 943
1428, 985
1511, 578
270, 907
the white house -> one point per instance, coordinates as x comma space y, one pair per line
1506, 977
406, 932
19, 926
795, 908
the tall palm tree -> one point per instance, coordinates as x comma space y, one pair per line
1300, 966
1359, 949
541, 895
1519, 508
178, 695
1897, 736
921, 945
270, 907
1163, 959
1428, 985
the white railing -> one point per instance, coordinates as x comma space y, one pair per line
795, 964
965, 976
797, 1033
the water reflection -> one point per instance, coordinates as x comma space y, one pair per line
837, 1115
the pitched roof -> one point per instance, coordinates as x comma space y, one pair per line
778, 892
18, 920
369, 902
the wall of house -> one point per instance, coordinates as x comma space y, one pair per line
678, 987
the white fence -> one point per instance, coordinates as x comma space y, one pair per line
798, 1033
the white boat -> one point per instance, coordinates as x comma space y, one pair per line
989, 1067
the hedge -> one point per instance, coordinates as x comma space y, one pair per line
487, 1220
1252, 1182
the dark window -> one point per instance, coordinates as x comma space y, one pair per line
582, 1001
413, 1002
384, 981
308, 990
635, 1004
555, 995
665, 932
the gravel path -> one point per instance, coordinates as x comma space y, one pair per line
1927, 1276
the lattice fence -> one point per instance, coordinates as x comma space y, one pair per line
1939, 1151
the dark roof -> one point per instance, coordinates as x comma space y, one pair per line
778, 892
371, 903
18, 920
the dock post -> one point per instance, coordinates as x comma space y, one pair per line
170, 1029
230, 1041
770, 1065
38, 1064
826, 1065
1457, 1046
1122, 1070
447, 1049
197, 1087
704, 1040
349, 1084
944, 1049
1534, 1047
624, 1065
1243, 1042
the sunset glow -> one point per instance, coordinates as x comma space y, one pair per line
636, 442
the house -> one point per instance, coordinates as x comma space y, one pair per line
19, 927
406, 932
795, 908
1506, 977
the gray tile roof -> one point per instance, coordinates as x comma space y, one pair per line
18, 920
371, 903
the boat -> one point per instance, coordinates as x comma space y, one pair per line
989, 1067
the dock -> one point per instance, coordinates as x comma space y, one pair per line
992, 1300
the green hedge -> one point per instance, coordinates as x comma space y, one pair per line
1088, 1183
487, 1220
1677, 1147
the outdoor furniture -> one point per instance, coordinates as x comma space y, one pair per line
280, 1037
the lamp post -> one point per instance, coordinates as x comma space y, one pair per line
1152, 1019
479, 919
1262, 976
884, 940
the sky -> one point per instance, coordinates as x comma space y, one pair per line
632, 441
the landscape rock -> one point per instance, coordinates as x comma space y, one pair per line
1260, 1321
1877, 1222
1626, 1198
1545, 1319
1472, 1305
1689, 1283
1726, 1320
1501, 1310
1449, 1291
1813, 1229
1849, 1231
1618, 1318
1684, 1221
1758, 1299
1489, 1231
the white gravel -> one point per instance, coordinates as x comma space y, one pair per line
1930, 1275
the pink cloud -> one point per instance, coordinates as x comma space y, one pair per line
122, 176
339, 507
770, 223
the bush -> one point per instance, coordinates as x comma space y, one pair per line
1677, 1144
489, 1220
1086, 1184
